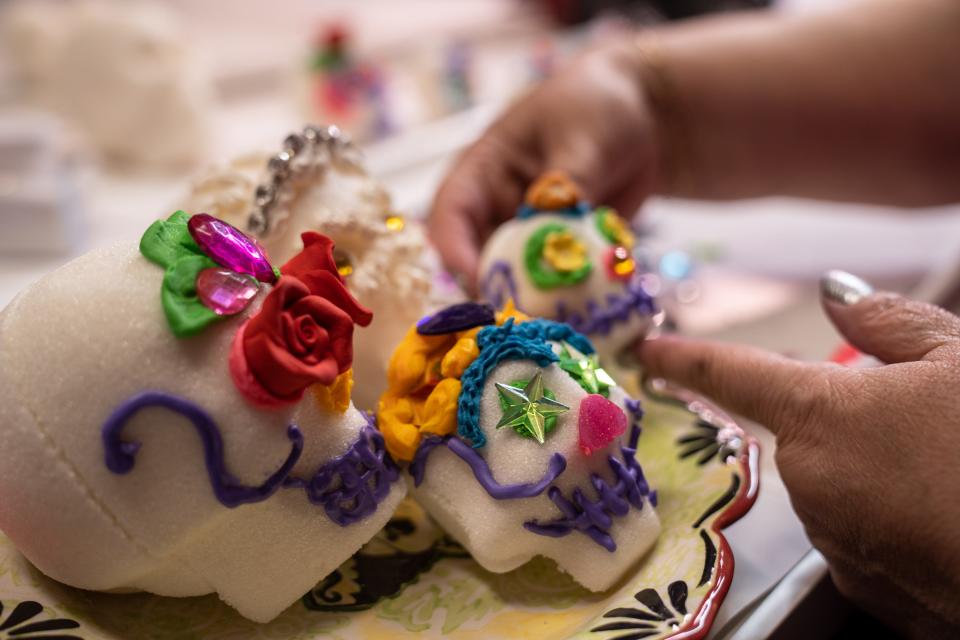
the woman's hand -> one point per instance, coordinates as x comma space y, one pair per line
593, 121
870, 457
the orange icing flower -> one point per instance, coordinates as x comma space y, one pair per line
553, 190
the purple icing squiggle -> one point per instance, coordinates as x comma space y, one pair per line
120, 455
595, 517
350, 487
495, 295
636, 412
600, 319
481, 470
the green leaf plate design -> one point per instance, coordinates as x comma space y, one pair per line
414, 581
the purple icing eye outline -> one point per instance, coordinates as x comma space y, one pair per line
495, 294
349, 487
481, 471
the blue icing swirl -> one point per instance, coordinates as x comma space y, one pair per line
511, 341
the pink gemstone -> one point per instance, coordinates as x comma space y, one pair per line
600, 422
225, 292
231, 248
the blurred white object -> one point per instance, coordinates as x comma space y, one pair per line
323, 186
122, 72
40, 209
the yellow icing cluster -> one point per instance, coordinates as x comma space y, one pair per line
335, 397
423, 385
564, 252
617, 229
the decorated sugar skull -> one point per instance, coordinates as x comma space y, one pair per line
564, 260
177, 419
519, 444
318, 183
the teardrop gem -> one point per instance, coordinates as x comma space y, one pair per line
600, 422
231, 248
225, 292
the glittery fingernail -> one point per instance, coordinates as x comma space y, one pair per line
843, 288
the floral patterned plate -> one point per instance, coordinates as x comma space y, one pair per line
412, 580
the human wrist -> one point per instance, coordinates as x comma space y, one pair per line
672, 143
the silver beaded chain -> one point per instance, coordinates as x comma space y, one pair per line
311, 150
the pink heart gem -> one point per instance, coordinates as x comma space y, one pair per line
225, 292
231, 248
600, 422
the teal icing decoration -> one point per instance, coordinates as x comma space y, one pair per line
525, 341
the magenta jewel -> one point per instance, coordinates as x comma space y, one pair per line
600, 422
231, 248
225, 292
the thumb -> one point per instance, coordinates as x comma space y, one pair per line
887, 326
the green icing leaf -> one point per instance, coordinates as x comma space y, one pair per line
186, 315
166, 241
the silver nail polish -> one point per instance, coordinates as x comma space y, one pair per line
843, 288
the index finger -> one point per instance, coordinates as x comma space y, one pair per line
765, 387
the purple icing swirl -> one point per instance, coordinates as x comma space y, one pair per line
120, 455
595, 517
599, 319
496, 295
349, 487
481, 470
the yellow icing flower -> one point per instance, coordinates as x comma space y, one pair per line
423, 385
440, 410
616, 229
395, 420
510, 311
335, 397
461, 356
564, 252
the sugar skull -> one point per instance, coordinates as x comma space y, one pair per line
122, 73
564, 260
177, 419
318, 183
519, 444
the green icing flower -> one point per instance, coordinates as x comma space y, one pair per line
529, 408
541, 271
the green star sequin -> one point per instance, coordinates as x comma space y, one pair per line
528, 407
586, 370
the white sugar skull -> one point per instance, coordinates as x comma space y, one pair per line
318, 183
563, 260
122, 72
177, 420
519, 445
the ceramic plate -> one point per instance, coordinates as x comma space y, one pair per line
412, 580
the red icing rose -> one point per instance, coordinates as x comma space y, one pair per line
303, 333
